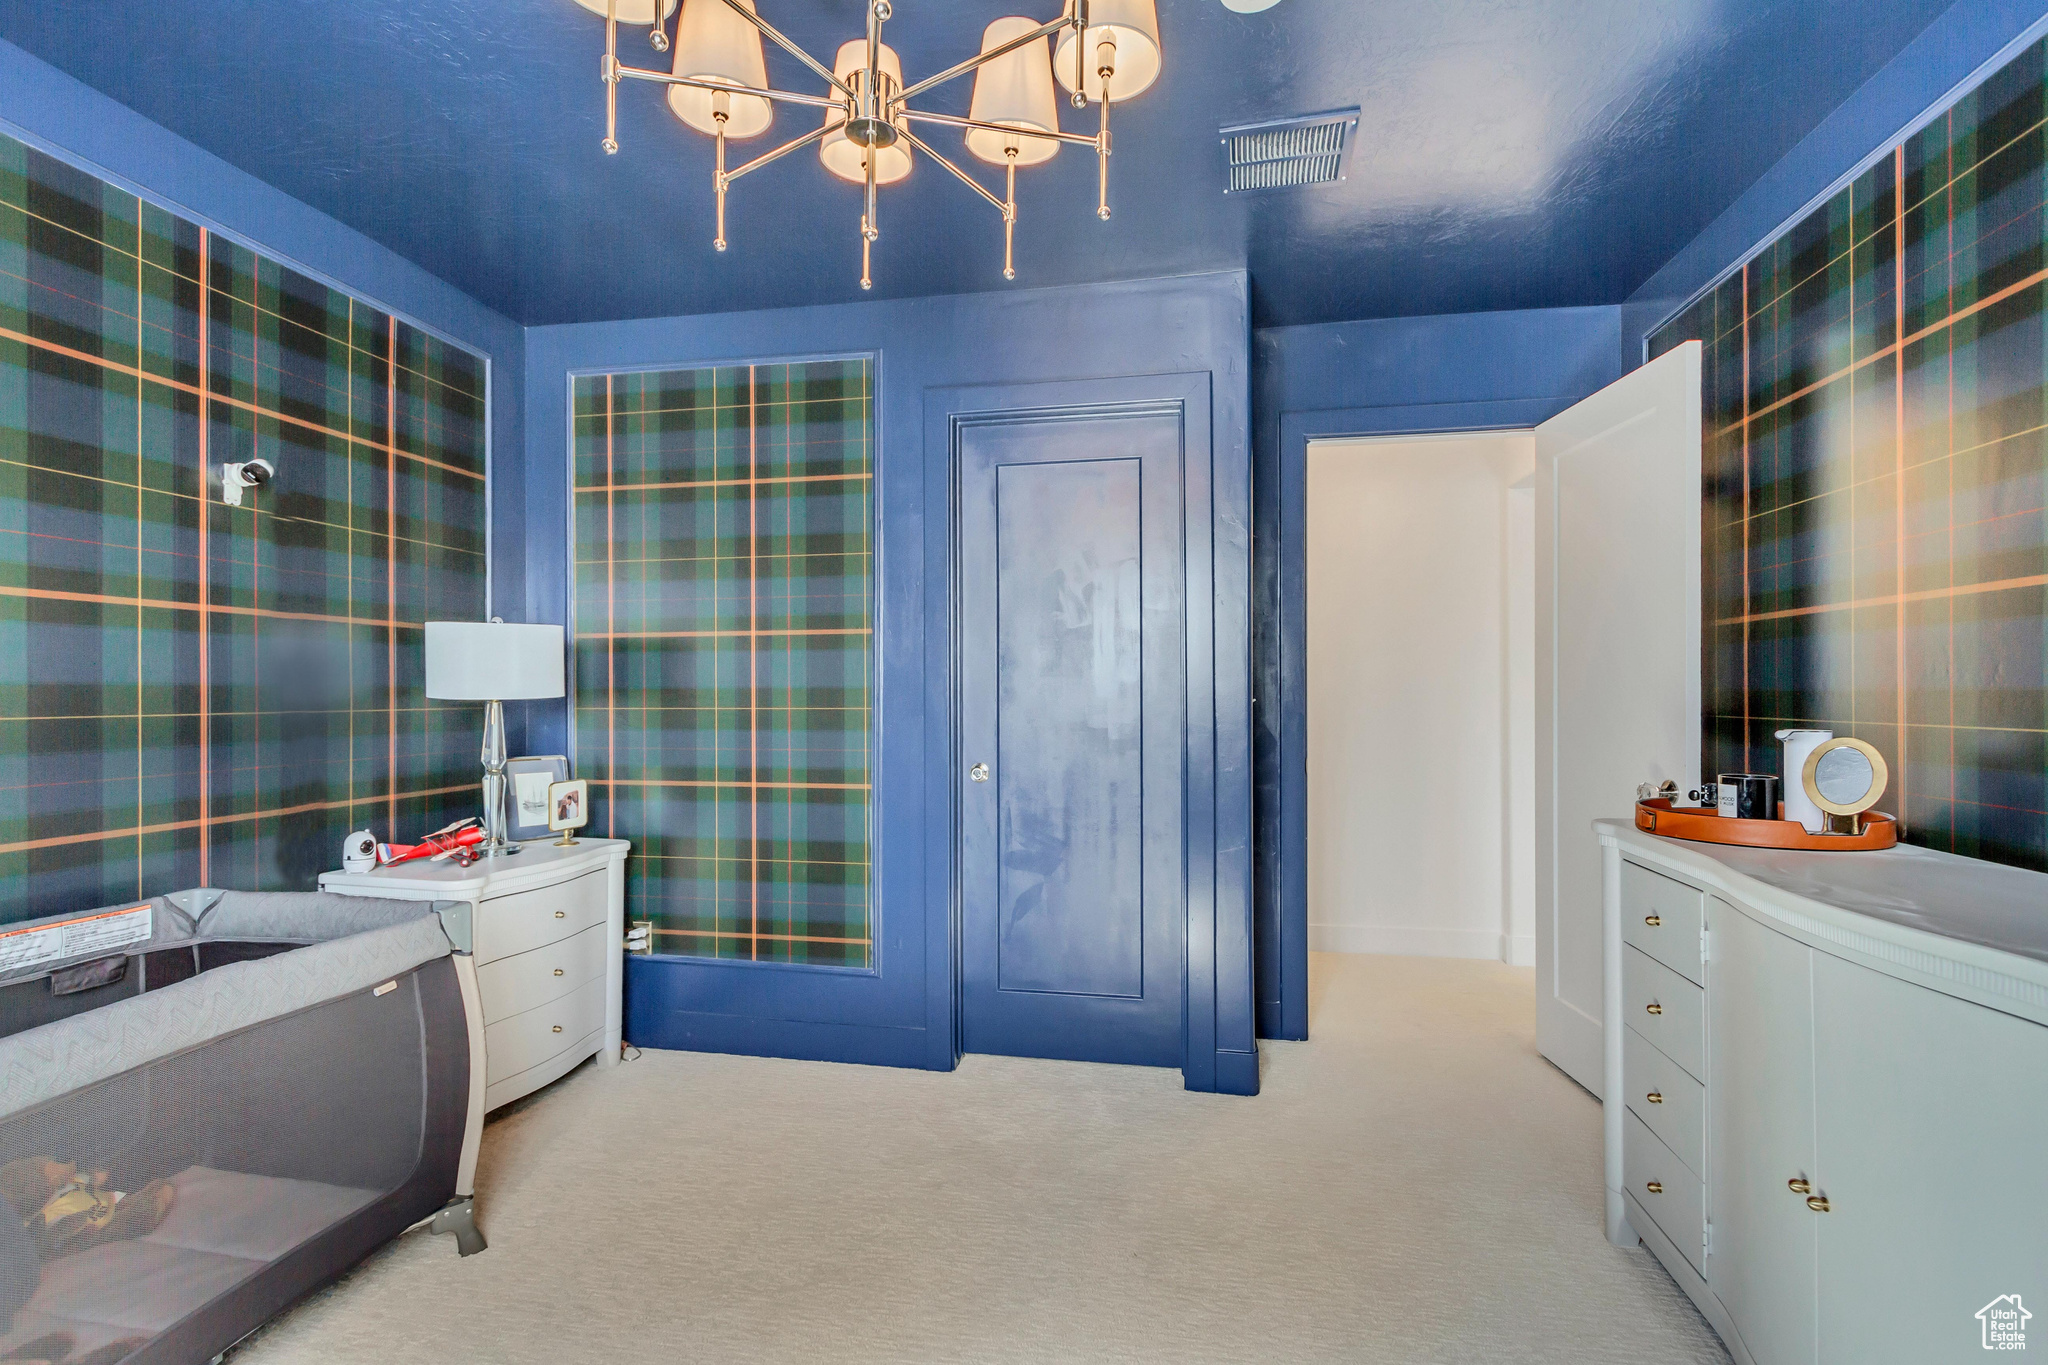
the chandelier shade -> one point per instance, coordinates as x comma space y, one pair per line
1131, 27
630, 11
716, 43
843, 156
1016, 91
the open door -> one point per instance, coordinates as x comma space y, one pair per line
1617, 660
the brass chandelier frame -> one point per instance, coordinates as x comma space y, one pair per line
877, 112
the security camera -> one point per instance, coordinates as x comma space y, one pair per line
236, 477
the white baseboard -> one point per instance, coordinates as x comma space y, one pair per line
1518, 950
1404, 942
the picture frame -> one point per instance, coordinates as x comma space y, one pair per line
527, 780
568, 809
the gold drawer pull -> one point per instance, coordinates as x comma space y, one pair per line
1818, 1203
1653, 920
1655, 1097
558, 1028
558, 971
1655, 1187
1654, 1009
561, 914
1798, 1186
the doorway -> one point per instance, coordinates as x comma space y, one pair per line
1421, 695
1072, 713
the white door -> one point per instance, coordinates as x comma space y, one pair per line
1760, 1143
1617, 660
1937, 1206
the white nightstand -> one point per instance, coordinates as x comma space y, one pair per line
550, 924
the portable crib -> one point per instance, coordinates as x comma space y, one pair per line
275, 1085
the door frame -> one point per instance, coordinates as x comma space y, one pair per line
1282, 666
1218, 1050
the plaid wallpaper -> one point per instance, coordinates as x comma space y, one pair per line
193, 694
1876, 466
724, 566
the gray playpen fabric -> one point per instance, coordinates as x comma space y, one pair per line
184, 1160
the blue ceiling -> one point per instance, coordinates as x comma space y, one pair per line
1514, 153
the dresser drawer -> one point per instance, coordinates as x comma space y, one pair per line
1662, 1187
513, 985
526, 1040
1659, 1004
525, 920
1662, 918
1678, 1114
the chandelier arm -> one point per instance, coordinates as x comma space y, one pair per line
954, 121
641, 73
955, 72
774, 35
1081, 17
794, 145
962, 176
610, 69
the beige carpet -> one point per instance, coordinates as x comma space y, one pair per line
1415, 1185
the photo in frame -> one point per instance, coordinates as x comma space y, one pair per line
568, 808
526, 793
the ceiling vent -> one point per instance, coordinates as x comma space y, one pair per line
1282, 153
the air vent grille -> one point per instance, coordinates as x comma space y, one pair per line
1283, 153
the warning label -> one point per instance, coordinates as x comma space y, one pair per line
21, 949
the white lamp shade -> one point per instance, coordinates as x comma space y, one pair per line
1134, 26
715, 44
468, 661
631, 11
1016, 91
843, 156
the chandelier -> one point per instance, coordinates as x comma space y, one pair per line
1106, 51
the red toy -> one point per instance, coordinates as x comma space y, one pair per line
453, 841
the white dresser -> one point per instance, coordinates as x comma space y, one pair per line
548, 947
1827, 1092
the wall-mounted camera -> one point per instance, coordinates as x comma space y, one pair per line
234, 478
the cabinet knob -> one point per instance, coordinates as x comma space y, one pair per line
561, 914
1817, 1202
1653, 920
558, 1028
1653, 1009
1798, 1186
1655, 1097
558, 971
1655, 1187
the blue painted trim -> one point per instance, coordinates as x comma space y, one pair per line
1237, 1073
1966, 43
658, 1006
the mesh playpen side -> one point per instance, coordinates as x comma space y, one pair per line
248, 1104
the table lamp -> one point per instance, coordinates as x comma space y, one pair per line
494, 663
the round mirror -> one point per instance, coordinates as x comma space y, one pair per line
1845, 776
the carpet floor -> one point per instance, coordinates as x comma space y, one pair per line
1415, 1184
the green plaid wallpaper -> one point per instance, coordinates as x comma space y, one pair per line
724, 565
1876, 467
193, 694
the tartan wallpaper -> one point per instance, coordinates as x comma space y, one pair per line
193, 694
724, 565
1876, 466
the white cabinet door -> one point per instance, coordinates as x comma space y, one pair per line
1931, 1113
1617, 661
1760, 1135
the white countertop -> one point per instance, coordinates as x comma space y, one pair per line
1962, 899
538, 860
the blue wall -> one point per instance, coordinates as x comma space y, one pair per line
902, 1013
50, 110
1970, 38
1399, 375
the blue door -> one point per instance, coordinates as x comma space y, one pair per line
1072, 715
